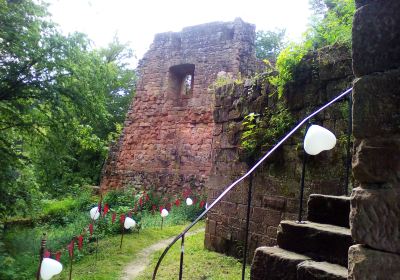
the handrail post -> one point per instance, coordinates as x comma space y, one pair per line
348, 156
249, 195
41, 251
303, 175
182, 254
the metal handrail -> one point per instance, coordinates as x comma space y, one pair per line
182, 234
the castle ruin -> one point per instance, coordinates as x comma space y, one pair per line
168, 133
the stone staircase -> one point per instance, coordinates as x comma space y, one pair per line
314, 249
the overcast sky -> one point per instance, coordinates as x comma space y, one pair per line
138, 21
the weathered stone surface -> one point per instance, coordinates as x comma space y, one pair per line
334, 62
311, 270
375, 207
376, 103
360, 3
369, 264
377, 161
376, 37
328, 209
319, 241
167, 139
374, 218
273, 263
324, 74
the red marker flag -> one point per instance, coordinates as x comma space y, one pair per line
106, 209
46, 254
99, 207
114, 216
91, 229
161, 208
177, 202
202, 203
58, 256
140, 201
122, 218
80, 242
71, 248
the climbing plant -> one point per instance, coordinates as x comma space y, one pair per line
262, 131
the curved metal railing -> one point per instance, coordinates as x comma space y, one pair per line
230, 187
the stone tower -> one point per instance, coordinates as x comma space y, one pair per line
166, 142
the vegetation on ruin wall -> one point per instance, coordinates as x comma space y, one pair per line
261, 132
61, 102
331, 23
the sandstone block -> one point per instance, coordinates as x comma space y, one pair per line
376, 103
273, 263
311, 270
277, 203
376, 37
374, 218
377, 161
328, 209
319, 241
369, 264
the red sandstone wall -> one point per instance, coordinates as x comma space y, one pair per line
320, 77
167, 138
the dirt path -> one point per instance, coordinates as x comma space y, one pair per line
142, 260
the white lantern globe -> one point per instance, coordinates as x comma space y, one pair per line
318, 139
164, 213
49, 268
94, 213
129, 223
189, 201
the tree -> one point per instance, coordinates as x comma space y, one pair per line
60, 102
269, 44
331, 23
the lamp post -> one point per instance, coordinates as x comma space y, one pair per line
316, 140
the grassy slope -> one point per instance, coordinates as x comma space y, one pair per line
199, 264
111, 260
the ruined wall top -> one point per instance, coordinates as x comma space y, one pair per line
216, 46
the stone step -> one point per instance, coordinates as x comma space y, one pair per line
321, 242
273, 263
329, 209
311, 270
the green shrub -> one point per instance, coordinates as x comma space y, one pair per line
286, 64
261, 132
331, 24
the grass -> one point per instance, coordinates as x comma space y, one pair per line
199, 263
111, 260
22, 243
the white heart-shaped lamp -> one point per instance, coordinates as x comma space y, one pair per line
164, 213
49, 268
94, 213
189, 201
129, 223
318, 139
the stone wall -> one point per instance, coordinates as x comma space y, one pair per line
168, 133
321, 76
375, 204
